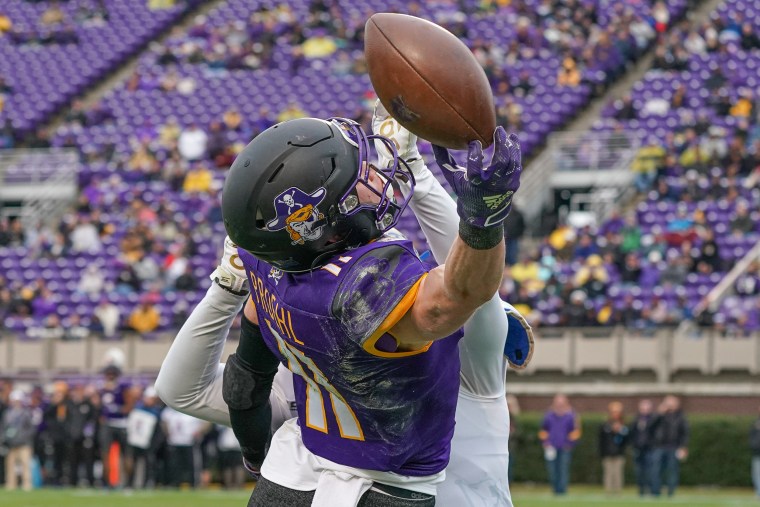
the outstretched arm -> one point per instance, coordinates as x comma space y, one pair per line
471, 273
191, 375
190, 379
483, 367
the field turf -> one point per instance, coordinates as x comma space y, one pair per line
523, 497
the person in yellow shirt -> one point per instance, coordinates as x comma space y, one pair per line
5, 23
320, 45
291, 112
743, 106
145, 318
527, 274
198, 180
169, 133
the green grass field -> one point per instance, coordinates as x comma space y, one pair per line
522, 496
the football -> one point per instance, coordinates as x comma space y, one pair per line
429, 80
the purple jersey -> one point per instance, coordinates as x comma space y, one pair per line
112, 401
360, 402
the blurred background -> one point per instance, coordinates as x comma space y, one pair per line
634, 248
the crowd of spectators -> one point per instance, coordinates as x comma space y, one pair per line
110, 433
696, 168
567, 280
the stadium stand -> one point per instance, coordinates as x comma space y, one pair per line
696, 213
131, 142
54, 52
153, 152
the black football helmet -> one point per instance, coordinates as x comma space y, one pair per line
290, 196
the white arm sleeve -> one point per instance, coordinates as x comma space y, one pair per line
190, 379
484, 367
191, 376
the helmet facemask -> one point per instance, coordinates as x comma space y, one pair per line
391, 202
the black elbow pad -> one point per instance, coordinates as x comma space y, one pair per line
249, 373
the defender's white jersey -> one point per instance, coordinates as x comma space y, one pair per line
190, 380
477, 472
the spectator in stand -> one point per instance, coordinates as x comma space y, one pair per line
670, 437
641, 438
695, 44
145, 318
183, 433
291, 112
50, 329
106, 316
514, 228
85, 236
7, 137
233, 120
526, 273
569, 75
83, 428
709, 260
169, 133
217, 141
44, 304
186, 281
613, 439
744, 104
578, 311
174, 171
175, 264
92, 280
319, 45
53, 15
144, 160
754, 446
198, 179
560, 432
749, 39
592, 277
73, 330
17, 433
6, 25
192, 143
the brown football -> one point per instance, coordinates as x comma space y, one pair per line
429, 80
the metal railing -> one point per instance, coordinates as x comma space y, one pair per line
605, 153
43, 180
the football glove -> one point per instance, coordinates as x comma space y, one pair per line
383, 124
230, 274
519, 346
253, 470
484, 194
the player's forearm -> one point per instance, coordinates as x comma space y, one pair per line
473, 275
190, 379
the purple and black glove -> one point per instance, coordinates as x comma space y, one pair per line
484, 194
